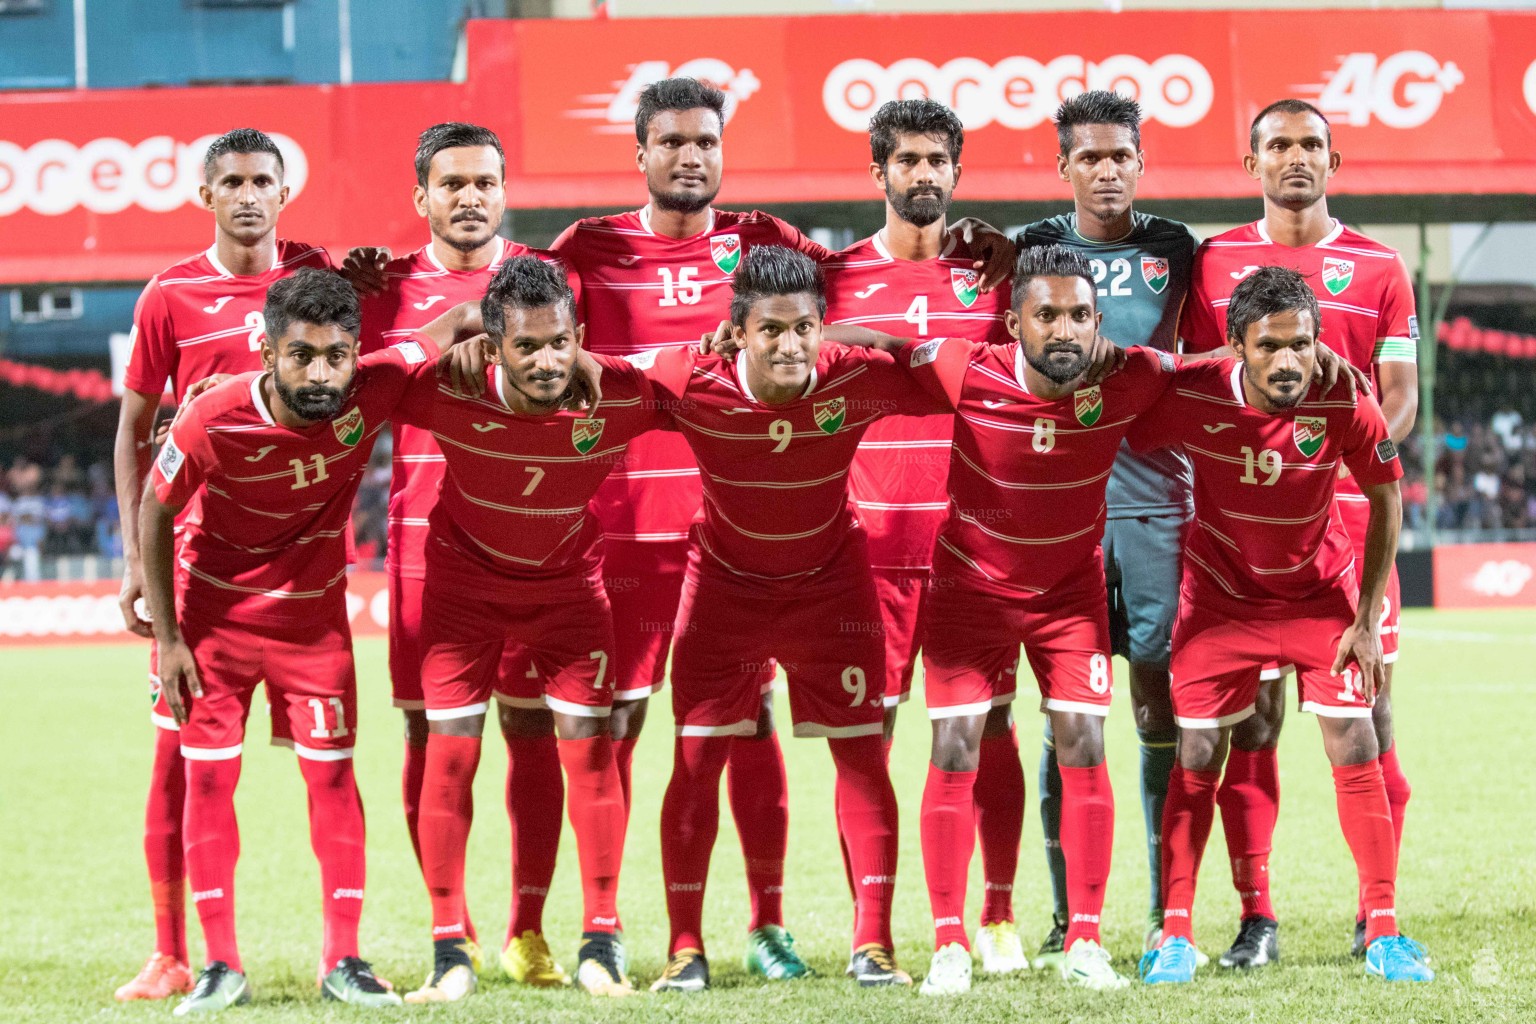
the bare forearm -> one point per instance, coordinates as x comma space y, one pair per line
863, 337
1399, 397
1380, 550
156, 548
461, 322
131, 451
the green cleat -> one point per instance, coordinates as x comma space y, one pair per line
218, 988
352, 981
771, 953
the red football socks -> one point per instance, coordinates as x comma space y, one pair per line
447, 809
999, 796
596, 808
336, 834
1250, 805
1087, 841
413, 770
1367, 823
1398, 790
867, 820
623, 758
759, 794
162, 844
948, 826
213, 847
690, 821
1186, 827
535, 803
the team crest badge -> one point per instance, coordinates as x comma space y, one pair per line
1155, 272
1088, 405
967, 285
585, 433
829, 416
725, 250
1309, 432
349, 428
1337, 274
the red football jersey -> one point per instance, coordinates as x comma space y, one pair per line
1266, 526
513, 517
417, 290
197, 319
775, 476
643, 292
1362, 287
266, 541
899, 474
1027, 479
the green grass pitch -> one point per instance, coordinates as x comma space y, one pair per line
74, 750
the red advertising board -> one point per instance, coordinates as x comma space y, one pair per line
1485, 576
101, 185
74, 613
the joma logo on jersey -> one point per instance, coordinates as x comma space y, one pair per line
1337, 274
349, 428
1155, 272
829, 416
1088, 405
966, 283
1309, 432
725, 250
586, 433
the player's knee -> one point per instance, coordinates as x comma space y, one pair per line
525, 723
1079, 739
1261, 730
1202, 750
1349, 740
765, 718
627, 718
957, 743
415, 727
580, 727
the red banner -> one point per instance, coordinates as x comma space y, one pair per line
73, 613
1485, 576
102, 185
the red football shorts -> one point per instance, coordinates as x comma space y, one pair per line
901, 609
1356, 516
464, 637
1217, 648
311, 686
971, 646
644, 580
405, 597
824, 630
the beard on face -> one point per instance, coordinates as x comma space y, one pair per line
312, 401
541, 376
1281, 399
477, 223
683, 201
918, 206
1058, 370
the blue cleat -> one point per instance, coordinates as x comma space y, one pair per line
1172, 963
1397, 958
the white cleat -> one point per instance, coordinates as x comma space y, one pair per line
949, 973
1000, 948
1087, 966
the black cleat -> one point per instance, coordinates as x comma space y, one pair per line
1357, 944
687, 971
1257, 944
874, 966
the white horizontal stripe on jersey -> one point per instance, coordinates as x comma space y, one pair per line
755, 436
651, 474
164, 282
778, 485
285, 595
211, 336
525, 561
1342, 307
733, 570
592, 284
297, 257
878, 445
1373, 254
409, 521
444, 440
1030, 486
979, 570
308, 538
260, 511
902, 318
822, 387
418, 459
1277, 520
1092, 527
890, 506
647, 537
1203, 397
1028, 428
782, 537
537, 513
1332, 465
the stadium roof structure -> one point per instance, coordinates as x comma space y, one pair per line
1434, 112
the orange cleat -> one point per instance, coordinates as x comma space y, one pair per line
162, 977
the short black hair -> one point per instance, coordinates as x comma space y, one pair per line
676, 94
240, 140
311, 296
524, 282
1287, 107
452, 135
1047, 261
775, 270
1265, 292
913, 117
1097, 106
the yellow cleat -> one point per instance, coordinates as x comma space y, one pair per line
527, 960
476, 958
